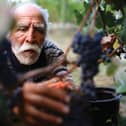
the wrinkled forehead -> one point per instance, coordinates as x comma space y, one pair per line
28, 12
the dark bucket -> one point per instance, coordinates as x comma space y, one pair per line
105, 108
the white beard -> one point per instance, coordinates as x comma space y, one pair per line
27, 59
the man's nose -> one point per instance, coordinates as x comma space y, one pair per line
30, 35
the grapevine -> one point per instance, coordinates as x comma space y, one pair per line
91, 49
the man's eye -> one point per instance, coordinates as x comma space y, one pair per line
40, 30
22, 28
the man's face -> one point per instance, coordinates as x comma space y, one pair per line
27, 36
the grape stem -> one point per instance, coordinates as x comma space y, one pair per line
102, 18
85, 17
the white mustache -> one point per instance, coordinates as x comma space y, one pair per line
27, 46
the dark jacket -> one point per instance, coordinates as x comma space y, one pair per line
10, 66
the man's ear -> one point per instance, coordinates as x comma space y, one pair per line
8, 35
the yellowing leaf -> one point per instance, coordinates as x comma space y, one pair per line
116, 44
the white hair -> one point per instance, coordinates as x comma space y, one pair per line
44, 12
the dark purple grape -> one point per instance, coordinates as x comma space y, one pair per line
76, 39
105, 58
98, 36
108, 51
125, 56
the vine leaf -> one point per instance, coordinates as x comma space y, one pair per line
111, 68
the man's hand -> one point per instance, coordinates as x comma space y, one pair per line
108, 41
38, 101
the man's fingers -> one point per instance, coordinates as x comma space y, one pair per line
45, 102
53, 93
42, 116
57, 94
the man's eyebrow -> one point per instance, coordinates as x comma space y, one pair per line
22, 24
39, 25
36, 25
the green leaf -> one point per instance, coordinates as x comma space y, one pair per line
123, 32
121, 89
120, 80
111, 69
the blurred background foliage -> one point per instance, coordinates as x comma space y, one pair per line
110, 17
61, 10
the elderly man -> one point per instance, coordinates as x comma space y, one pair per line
27, 49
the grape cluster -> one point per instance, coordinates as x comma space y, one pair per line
89, 50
